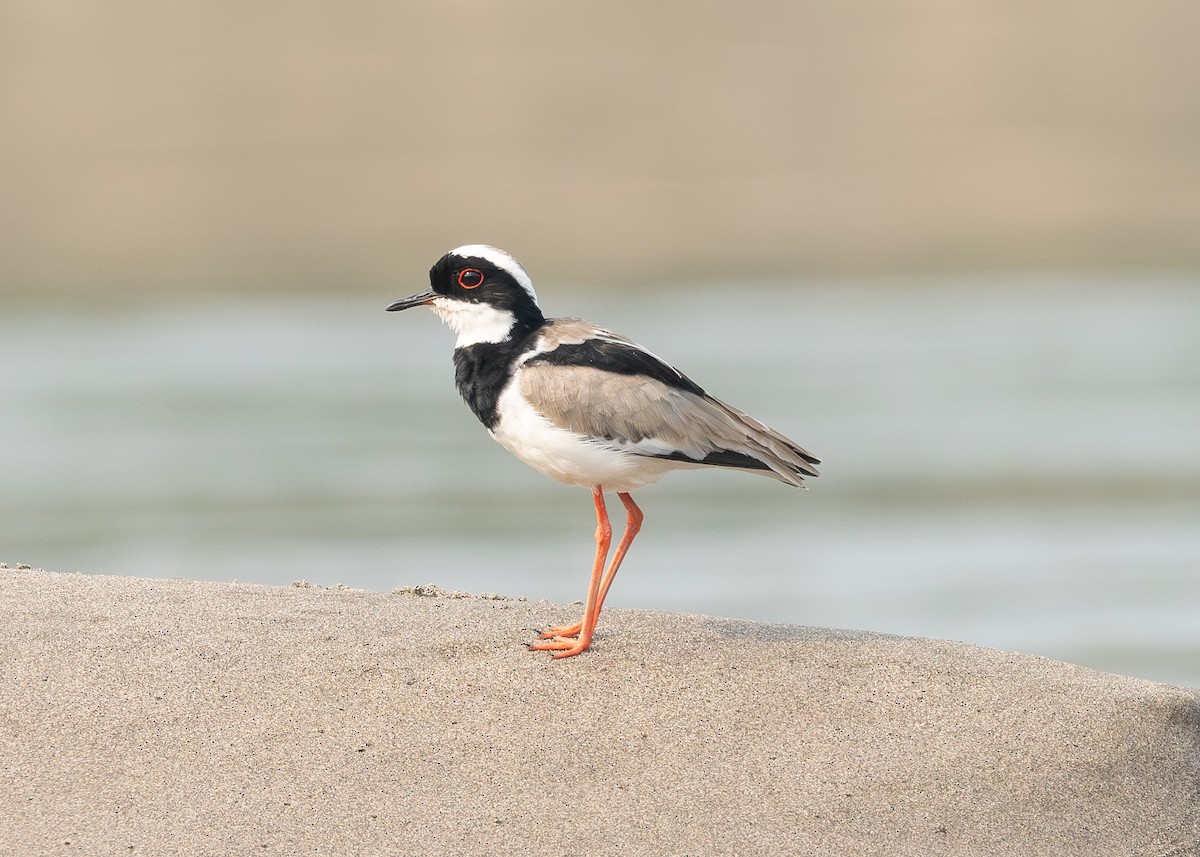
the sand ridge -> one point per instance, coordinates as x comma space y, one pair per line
183, 717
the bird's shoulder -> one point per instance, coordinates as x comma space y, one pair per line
575, 342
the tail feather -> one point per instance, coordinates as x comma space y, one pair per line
755, 447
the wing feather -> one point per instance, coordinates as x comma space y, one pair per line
647, 407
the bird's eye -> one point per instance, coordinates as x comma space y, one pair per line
470, 278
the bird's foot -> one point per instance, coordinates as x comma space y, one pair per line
562, 631
563, 647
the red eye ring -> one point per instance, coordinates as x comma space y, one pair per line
470, 278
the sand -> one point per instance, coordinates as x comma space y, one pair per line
179, 717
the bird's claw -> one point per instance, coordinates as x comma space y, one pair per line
561, 631
551, 642
562, 647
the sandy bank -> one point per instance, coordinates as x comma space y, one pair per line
177, 717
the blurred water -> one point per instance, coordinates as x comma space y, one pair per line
1009, 461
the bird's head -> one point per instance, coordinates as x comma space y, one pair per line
482, 293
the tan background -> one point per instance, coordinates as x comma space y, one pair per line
284, 145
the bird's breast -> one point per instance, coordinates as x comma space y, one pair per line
481, 372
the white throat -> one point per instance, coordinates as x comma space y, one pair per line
474, 323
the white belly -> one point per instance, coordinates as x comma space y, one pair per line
568, 456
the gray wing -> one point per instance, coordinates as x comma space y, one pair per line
658, 417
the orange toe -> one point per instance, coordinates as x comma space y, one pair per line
562, 647
574, 650
562, 631
550, 644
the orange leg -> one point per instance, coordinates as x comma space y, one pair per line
562, 646
633, 523
559, 637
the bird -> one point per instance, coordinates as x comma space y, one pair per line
585, 406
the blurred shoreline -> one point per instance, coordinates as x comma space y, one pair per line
1010, 462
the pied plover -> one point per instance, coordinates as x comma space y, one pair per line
585, 406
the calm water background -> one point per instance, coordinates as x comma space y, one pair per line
1013, 461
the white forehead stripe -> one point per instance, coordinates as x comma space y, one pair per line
501, 260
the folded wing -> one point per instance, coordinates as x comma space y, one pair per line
601, 385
